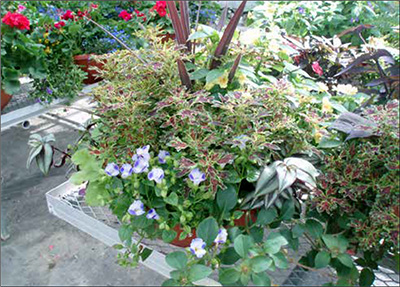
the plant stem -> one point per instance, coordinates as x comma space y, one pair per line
116, 39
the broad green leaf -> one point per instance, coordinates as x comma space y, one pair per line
274, 242
208, 230
198, 35
257, 233
214, 75
280, 260
199, 74
286, 176
346, 259
260, 263
198, 272
242, 245
287, 210
367, 277
96, 194
48, 157
327, 142
267, 174
314, 228
322, 259
172, 199
228, 276
261, 279
177, 260
266, 216
337, 244
233, 233
298, 230
229, 257
227, 199
168, 235
125, 233
33, 153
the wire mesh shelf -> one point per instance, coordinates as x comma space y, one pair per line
73, 197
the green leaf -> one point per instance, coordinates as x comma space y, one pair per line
213, 75
322, 259
10, 74
260, 263
229, 257
35, 151
266, 216
146, 252
40, 162
242, 245
198, 272
346, 259
257, 233
172, 199
298, 230
118, 246
168, 235
198, 35
233, 233
252, 174
48, 157
199, 74
314, 228
280, 260
170, 282
125, 233
287, 210
227, 199
177, 260
11, 86
337, 244
261, 279
367, 277
208, 230
274, 243
228, 276
96, 194
327, 142
233, 177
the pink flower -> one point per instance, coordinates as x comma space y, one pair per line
16, 20
60, 24
317, 68
94, 6
125, 15
21, 8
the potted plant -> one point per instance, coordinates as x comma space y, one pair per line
20, 55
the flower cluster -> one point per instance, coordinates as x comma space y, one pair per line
137, 209
16, 20
59, 24
127, 16
161, 8
198, 246
67, 15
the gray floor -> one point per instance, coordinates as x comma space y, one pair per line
42, 249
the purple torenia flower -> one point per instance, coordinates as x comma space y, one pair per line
197, 176
162, 155
136, 208
126, 170
301, 10
112, 169
197, 247
49, 91
143, 152
152, 214
156, 174
141, 165
222, 236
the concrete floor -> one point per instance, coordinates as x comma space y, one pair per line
44, 250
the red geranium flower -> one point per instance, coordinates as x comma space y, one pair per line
125, 15
60, 24
140, 14
67, 15
160, 7
317, 68
94, 6
16, 20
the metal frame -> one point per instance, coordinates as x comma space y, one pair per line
18, 116
101, 231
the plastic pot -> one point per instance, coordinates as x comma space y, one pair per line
5, 99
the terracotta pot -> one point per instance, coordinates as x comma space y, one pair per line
186, 242
166, 37
85, 63
5, 99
